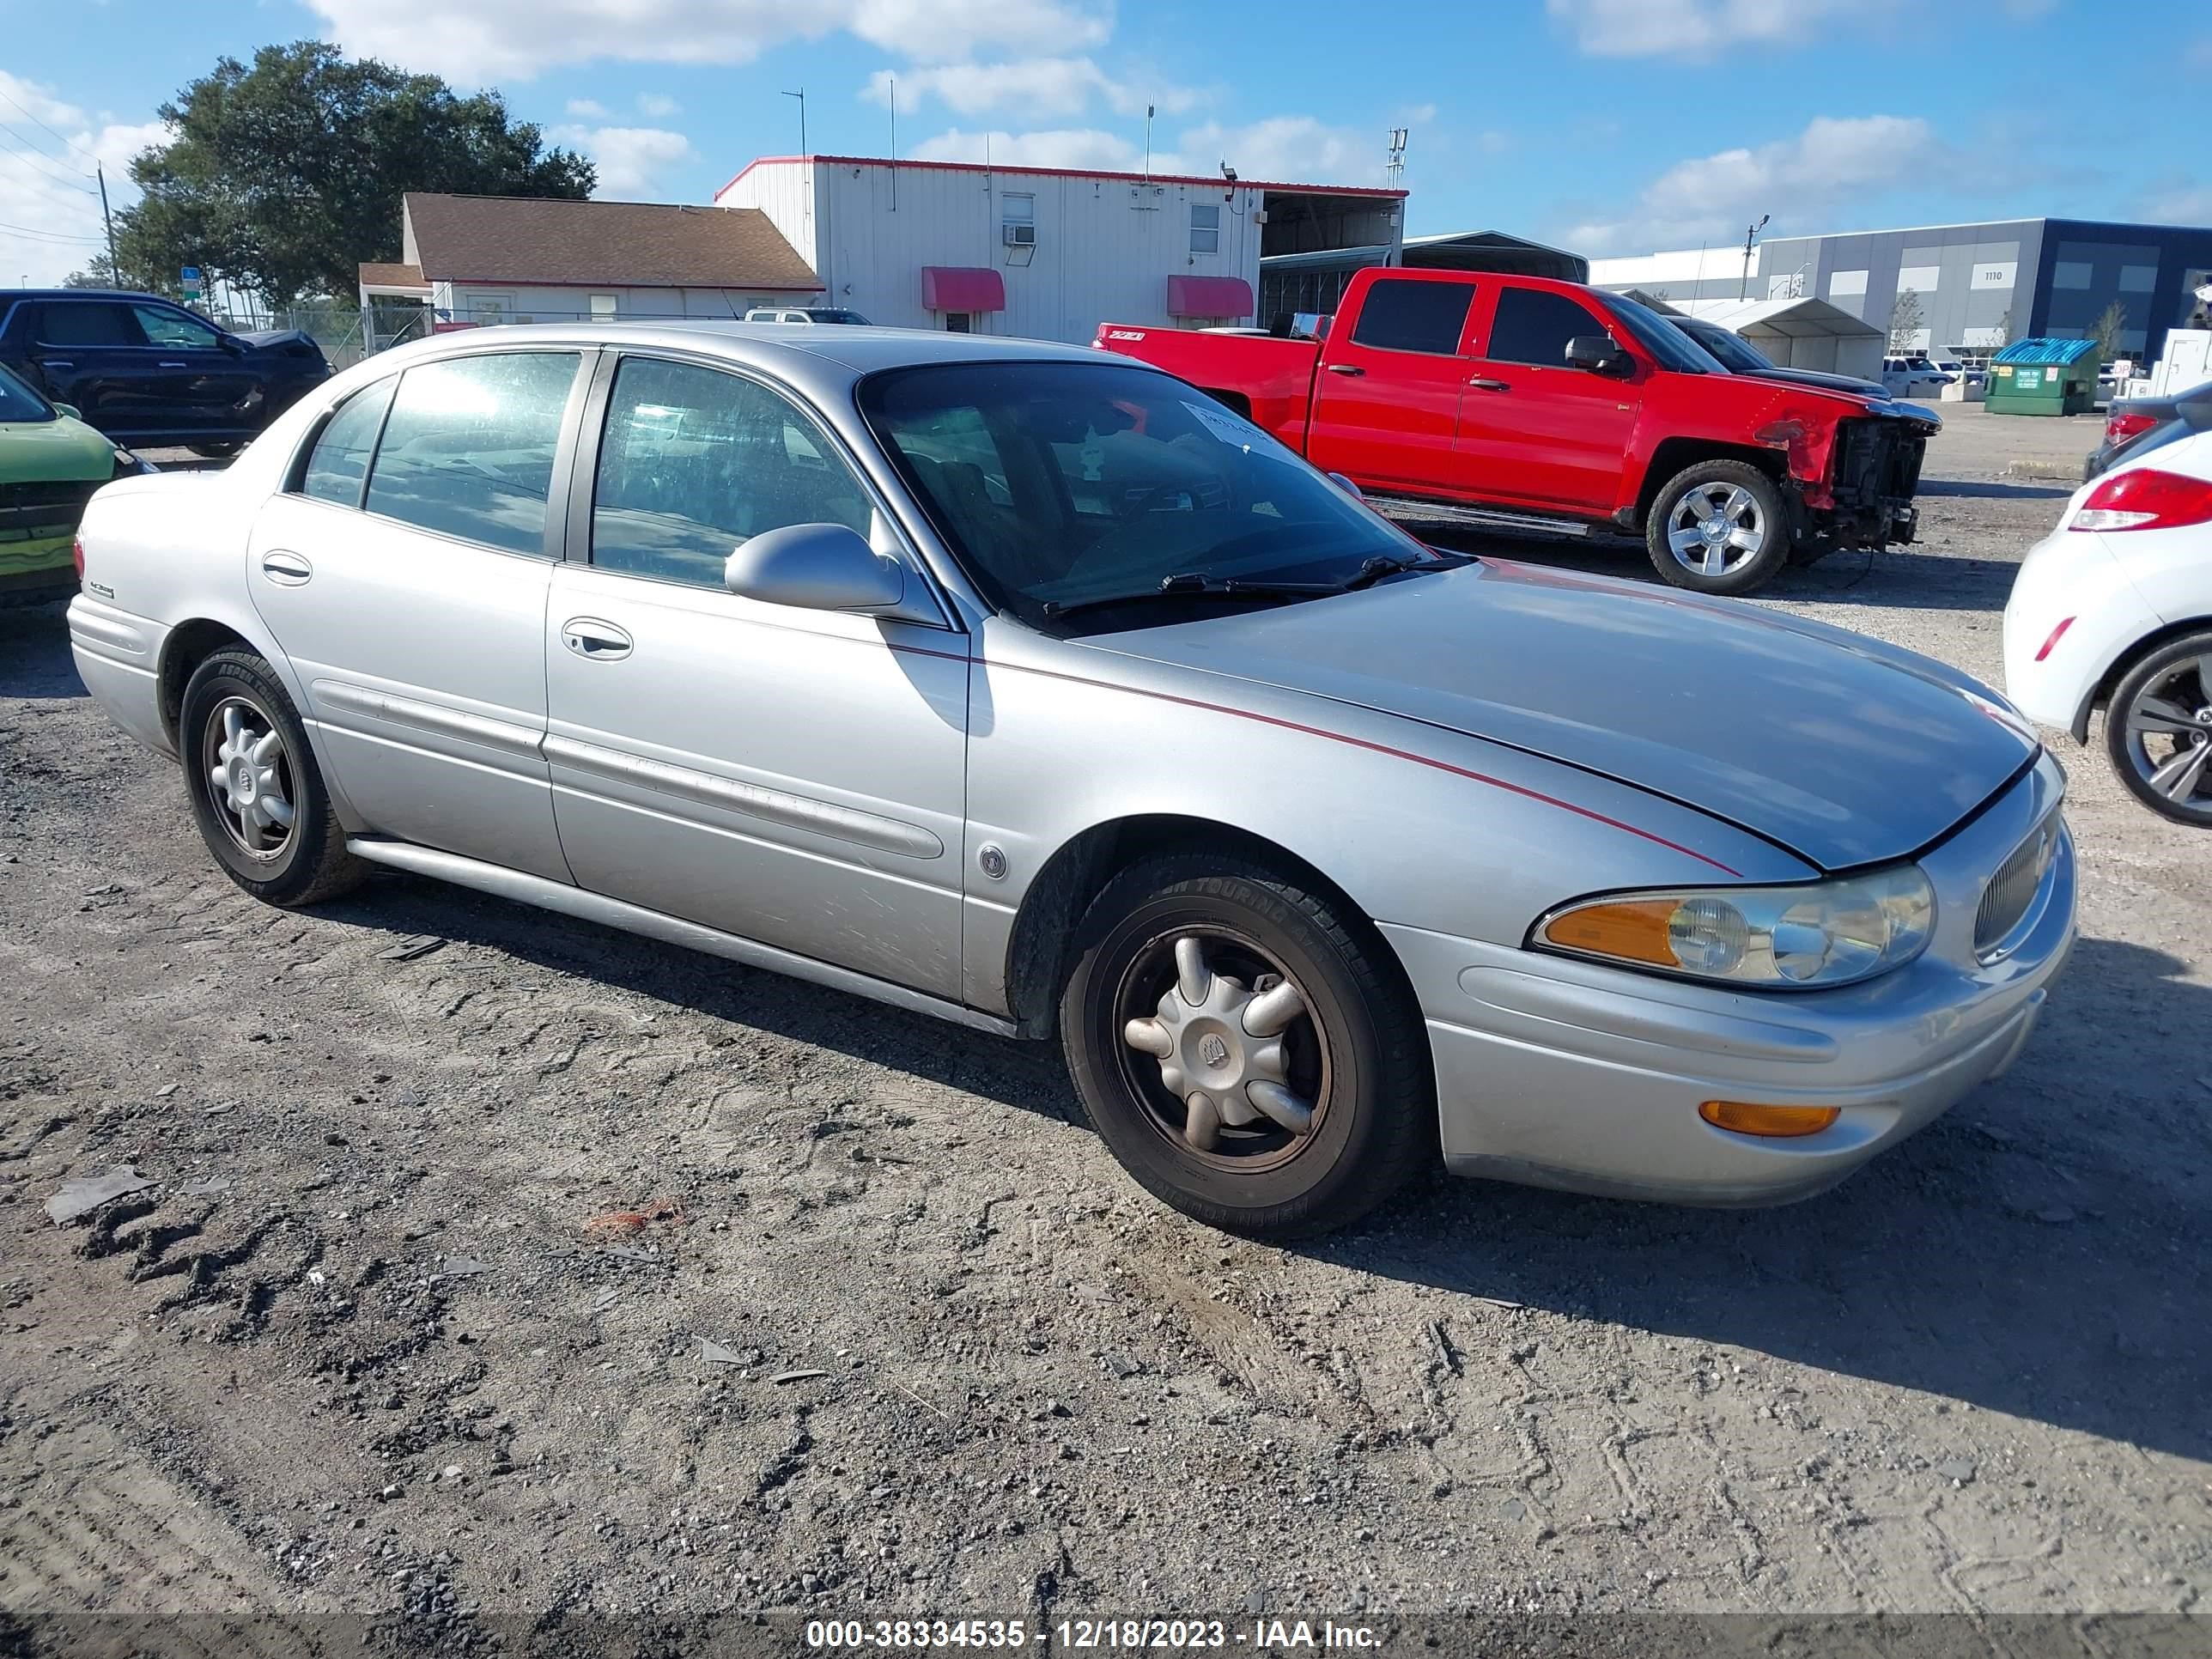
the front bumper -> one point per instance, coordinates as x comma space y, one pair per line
1559, 1072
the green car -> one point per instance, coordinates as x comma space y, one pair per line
49, 464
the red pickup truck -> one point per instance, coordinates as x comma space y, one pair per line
1509, 402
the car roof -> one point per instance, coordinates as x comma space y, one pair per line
9, 296
862, 349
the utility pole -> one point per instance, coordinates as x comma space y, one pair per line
114, 275
801, 95
1743, 287
1148, 142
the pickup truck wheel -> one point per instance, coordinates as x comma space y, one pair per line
1250, 1055
2158, 729
1718, 527
255, 791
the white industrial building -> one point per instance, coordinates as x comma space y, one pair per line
1049, 253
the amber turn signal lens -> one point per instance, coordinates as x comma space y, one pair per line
1634, 928
1774, 1123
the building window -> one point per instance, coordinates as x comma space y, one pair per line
1998, 273
2138, 279
2070, 273
1205, 227
1845, 283
959, 322
1017, 219
1920, 279
603, 308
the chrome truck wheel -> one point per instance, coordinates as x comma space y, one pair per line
1247, 1048
1718, 527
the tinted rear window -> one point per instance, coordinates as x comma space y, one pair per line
1406, 316
89, 323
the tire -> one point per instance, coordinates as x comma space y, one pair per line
1758, 511
298, 863
1356, 1054
215, 452
2159, 725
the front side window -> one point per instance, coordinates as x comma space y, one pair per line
1533, 326
1205, 228
89, 323
468, 448
1018, 209
1400, 315
337, 466
694, 461
164, 326
1058, 483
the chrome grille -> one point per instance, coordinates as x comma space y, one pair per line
2011, 893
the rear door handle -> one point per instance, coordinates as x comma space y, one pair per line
286, 569
1345, 369
594, 639
1481, 385
173, 365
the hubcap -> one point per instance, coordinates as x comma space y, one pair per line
2169, 735
249, 777
1236, 1061
1716, 528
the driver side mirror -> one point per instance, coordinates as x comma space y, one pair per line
1598, 354
816, 567
232, 343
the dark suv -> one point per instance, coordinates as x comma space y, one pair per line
147, 372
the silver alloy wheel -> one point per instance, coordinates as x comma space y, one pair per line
1716, 528
249, 777
2169, 734
1225, 1051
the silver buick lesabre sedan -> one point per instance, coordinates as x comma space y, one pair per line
1031, 688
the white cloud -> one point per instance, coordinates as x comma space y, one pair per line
1031, 88
1827, 166
494, 40
52, 201
588, 109
1656, 28
632, 160
1287, 147
658, 105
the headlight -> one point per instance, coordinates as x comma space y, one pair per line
1828, 933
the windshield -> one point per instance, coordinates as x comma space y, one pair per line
1736, 352
1061, 484
19, 403
1656, 335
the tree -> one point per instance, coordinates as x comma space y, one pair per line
285, 177
98, 272
2001, 336
2110, 328
1906, 321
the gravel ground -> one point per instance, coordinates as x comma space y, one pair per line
881, 1327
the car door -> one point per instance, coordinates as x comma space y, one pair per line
793, 776
405, 572
207, 387
1386, 402
1535, 428
91, 354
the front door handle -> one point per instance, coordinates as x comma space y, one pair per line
286, 569
1345, 369
1481, 385
173, 365
593, 640
56, 363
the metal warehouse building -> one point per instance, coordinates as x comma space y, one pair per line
1978, 285
1049, 253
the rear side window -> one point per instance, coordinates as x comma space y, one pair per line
338, 465
1405, 316
89, 323
468, 448
1533, 326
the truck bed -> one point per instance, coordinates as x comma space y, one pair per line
1268, 379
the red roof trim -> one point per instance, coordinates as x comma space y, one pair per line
1383, 749
622, 282
1375, 191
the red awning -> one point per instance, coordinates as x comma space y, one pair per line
961, 288
1209, 296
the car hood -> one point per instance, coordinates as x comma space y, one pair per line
1871, 390
1845, 750
60, 451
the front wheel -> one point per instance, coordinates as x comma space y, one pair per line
1245, 1049
1718, 527
2158, 730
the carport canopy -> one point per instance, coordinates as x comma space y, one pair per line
1801, 333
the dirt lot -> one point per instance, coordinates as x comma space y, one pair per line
900, 1337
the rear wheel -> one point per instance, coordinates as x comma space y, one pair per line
1718, 527
1247, 1051
256, 793
2158, 730
213, 452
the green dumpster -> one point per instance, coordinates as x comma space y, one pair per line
2043, 377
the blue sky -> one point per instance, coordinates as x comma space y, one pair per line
1607, 125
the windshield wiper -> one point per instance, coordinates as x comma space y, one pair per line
1187, 583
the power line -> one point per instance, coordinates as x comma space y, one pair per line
46, 164
33, 114
50, 235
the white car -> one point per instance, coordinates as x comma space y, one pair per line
1913, 376
815, 315
2115, 608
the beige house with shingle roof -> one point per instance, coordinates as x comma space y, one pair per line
474, 259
